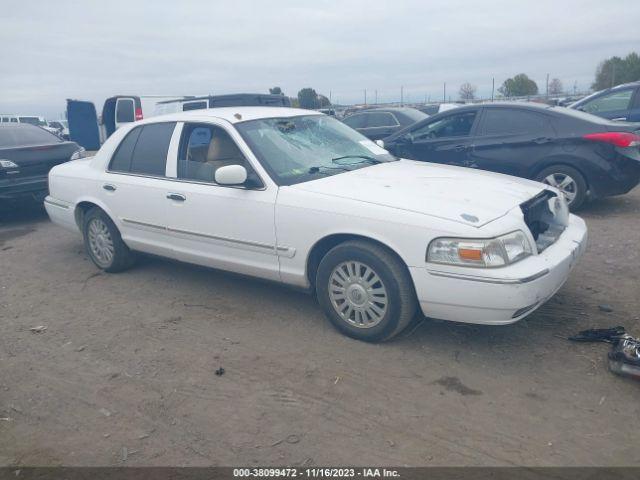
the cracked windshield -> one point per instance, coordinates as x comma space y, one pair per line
299, 149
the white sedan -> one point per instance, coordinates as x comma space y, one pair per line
298, 197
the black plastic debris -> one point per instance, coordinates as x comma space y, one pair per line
220, 372
624, 357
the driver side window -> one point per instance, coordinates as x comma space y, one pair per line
204, 149
457, 125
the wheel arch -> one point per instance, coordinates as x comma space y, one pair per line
326, 243
84, 205
567, 161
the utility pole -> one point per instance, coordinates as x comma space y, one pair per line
376, 96
401, 95
547, 85
330, 97
365, 96
444, 92
613, 74
493, 87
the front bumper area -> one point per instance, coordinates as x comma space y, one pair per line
502, 295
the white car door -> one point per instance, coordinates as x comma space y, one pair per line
225, 227
135, 186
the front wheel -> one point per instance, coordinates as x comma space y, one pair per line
569, 181
103, 242
366, 291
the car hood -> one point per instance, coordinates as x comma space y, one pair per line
464, 195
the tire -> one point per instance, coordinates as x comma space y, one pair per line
351, 296
575, 192
104, 244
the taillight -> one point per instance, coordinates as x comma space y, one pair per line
619, 139
138, 114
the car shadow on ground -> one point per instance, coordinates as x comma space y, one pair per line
16, 214
622, 204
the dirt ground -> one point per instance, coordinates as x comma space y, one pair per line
125, 372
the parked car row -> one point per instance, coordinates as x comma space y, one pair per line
583, 155
374, 237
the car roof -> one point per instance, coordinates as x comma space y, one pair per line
233, 114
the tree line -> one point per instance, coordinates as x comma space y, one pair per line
609, 73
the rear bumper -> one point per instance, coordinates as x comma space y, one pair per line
622, 175
61, 213
31, 187
504, 295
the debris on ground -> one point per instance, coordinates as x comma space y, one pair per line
624, 357
605, 308
220, 372
38, 329
105, 412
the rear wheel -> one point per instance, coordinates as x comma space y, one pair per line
103, 242
366, 291
568, 180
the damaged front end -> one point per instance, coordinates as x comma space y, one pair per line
547, 216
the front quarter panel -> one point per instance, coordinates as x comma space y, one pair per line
304, 218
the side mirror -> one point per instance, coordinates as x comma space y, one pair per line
231, 175
380, 143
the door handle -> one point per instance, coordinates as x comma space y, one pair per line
618, 119
178, 197
460, 148
109, 188
541, 140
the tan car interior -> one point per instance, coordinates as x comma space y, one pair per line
202, 160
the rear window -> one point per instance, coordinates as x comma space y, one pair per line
125, 110
7, 138
587, 117
26, 135
144, 150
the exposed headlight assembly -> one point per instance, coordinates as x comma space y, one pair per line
489, 252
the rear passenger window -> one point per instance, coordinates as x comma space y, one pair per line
144, 150
503, 121
125, 110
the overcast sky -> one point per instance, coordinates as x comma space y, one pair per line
53, 50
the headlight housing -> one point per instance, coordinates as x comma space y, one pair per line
78, 154
485, 253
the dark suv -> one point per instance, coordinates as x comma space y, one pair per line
618, 103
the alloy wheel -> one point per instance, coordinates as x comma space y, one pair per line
358, 294
100, 242
565, 183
